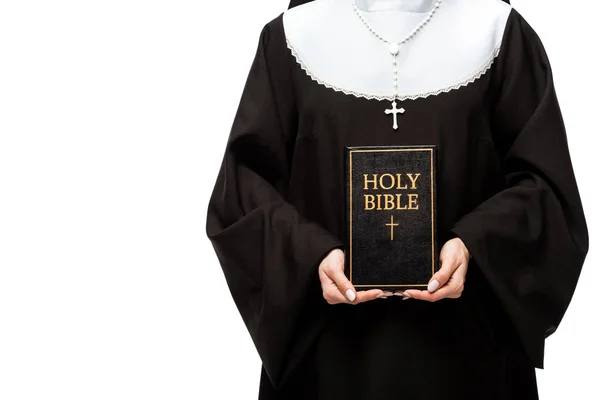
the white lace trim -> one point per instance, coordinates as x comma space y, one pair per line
462, 82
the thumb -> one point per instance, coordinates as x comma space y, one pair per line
440, 278
344, 285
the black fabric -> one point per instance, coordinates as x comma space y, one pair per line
508, 190
294, 3
268, 249
538, 216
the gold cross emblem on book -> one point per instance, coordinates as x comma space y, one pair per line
392, 225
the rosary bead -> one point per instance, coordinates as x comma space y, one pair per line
394, 47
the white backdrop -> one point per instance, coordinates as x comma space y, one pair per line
113, 118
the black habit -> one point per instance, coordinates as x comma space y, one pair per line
506, 187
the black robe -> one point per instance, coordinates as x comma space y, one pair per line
506, 187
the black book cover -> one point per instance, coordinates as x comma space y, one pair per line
391, 226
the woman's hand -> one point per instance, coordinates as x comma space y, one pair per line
336, 287
449, 281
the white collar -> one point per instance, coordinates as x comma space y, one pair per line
456, 47
401, 5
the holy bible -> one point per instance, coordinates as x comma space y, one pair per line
391, 227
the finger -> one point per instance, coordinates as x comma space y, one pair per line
325, 279
333, 296
449, 291
452, 289
385, 294
461, 272
441, 277
426, 295
458, 277
366, 295
343, 284
330, 290
418, 294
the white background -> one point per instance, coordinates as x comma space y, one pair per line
113, 119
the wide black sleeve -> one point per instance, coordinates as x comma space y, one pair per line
268, 251
529, 239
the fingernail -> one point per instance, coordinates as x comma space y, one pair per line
388, 293
350, 295
433, 285
380, 295
405, 296
399, 294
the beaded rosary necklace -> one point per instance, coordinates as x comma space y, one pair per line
394, 48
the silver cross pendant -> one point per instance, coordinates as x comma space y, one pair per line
395, 112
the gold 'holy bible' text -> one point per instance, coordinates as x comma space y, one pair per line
390, 182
